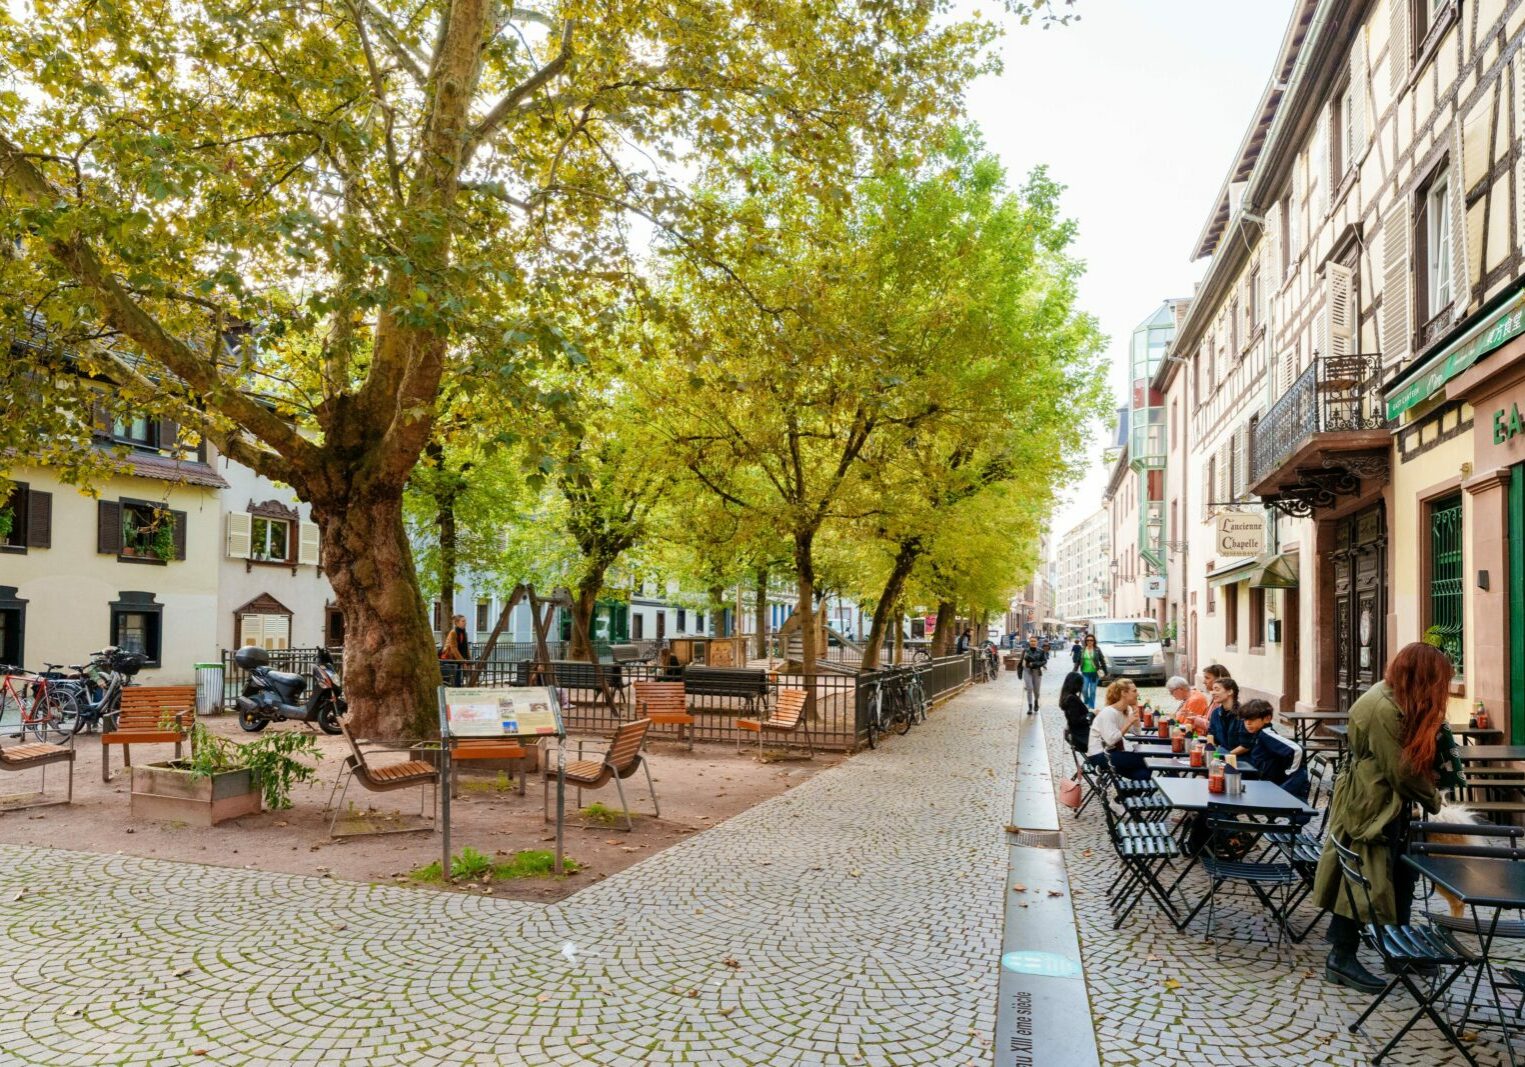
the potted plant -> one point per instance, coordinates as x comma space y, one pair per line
222, 779
7, 521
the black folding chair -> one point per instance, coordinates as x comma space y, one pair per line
1234, 832
1141, 800
1406, 949
1088, 780
1144, 850
1303, 849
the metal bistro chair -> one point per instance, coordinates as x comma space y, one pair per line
1144, 850
622, 759
1405, 949
1235, 831
383, 779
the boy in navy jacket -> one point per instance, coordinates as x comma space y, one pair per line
1279, 760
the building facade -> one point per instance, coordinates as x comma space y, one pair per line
1081, 576
1362, 304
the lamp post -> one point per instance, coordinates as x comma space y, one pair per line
1112, 604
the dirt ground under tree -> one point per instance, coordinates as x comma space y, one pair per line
696, 790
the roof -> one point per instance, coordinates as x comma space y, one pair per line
169, 469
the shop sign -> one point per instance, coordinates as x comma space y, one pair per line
1503, 325
1507, 425
1241, 534
1154, 587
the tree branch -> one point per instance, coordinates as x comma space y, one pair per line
499, 111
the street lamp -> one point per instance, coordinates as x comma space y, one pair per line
1112, 606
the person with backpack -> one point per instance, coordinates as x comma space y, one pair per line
1030, 669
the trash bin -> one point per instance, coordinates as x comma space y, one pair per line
208, 688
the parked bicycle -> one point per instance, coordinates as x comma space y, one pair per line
988, 665
91, 697
888, 708
916, 694
29, 698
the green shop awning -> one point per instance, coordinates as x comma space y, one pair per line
1498, 326
1276, 572
1237, 573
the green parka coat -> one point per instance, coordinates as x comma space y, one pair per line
1375, 789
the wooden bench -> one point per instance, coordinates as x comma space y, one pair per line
37, 755
383, 779
149, 715
467, 750
744, 683
574, 674
665, 704
620, 760
787, 717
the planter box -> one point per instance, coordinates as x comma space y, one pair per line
167, 791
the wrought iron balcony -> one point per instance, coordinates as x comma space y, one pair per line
1326, 433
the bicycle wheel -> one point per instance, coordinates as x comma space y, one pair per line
902, 712
920, 655
63, 711
36, 718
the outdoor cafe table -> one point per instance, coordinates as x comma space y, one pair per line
1479, 882
1478, 735
1173, 765
1304, 723
1490, 753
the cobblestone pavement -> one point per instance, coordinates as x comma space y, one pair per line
861, 911
1250, 1005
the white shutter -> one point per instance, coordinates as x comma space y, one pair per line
1398, 46
1318, 175
240, 534
307, 547
1358, 97
1397, 327
1339, 310
1461, 281
277, 630
251, 630
1270, 262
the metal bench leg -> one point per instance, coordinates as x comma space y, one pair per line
651, 786
345, 774
624, 804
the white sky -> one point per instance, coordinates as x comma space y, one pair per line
1138, 109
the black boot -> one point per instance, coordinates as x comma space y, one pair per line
1343, 968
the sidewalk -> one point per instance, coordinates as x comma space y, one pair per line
862, 911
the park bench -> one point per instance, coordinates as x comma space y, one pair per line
36, 756
574, 674
665, 704
149, 715
620, 760
743, 683
383, 779
629, 654
467, 750
787, 717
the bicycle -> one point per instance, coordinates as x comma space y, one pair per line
93, 696
35, 706
916, 695
920, 655
886, 708
987, 666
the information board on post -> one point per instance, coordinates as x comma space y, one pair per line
517, 713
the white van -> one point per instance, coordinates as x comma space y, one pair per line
1132, 648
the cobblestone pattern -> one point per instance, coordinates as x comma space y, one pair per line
862, 911
1252, 1004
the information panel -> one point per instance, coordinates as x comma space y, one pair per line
521, 711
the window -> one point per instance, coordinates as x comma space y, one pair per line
135, 625
484, 616
1342, 132
1435, 232
698, 622
271, 540
1231, 616
1286, 235
26, 519
1257, 618
682, 620
149, 532
1233, 327
439, 616
1254, 308
1443, 607
139, 431
637, 626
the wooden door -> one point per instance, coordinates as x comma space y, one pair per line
1360, 604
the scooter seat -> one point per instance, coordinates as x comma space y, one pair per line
293, 683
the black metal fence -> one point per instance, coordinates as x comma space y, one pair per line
839, 722
1334, 394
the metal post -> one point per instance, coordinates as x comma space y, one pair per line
561, 798
444, 777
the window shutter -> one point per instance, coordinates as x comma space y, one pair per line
277, 631
178, 521
1358, 97
1398, 50
108, 527
39, 519
1318, 175
1270, 263
308, 543
251, 630
240, 534
100, 419
1396, 278
169, 432
1461, 282
1338, 310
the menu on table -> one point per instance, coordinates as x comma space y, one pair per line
502, 712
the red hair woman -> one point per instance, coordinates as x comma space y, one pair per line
1393, 732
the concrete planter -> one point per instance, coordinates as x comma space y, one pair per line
167, 791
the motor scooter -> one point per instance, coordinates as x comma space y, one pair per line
272, 696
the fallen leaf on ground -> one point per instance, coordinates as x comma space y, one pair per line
732, 962
727, 1010
855, 873
1171, 985
1019, 888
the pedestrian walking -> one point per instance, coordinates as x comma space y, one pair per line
961, 646
1390, 766
453, 652
1030, 670
1091, 664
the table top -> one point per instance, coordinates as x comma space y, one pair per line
1190, 794
1488, 753
1477, 731
1146, 739
1182, 765
1490, 883
1315, 716
1339, 729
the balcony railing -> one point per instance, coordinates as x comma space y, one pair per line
1336, 394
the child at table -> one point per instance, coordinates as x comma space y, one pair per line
1277, 759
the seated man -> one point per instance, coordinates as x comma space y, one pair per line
1193, 709
1279, 760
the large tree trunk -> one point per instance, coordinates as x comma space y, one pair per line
584, 604
391, 665
942, 631
884, 610
717, 610
804, 568
760, 612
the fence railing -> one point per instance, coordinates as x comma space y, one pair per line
839, 722
1334, 394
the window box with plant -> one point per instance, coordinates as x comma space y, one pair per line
224, 780
140, 531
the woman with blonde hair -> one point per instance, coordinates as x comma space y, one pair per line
451, 655
1108, 743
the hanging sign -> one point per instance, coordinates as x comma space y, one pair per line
1154, 587
1241, 534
